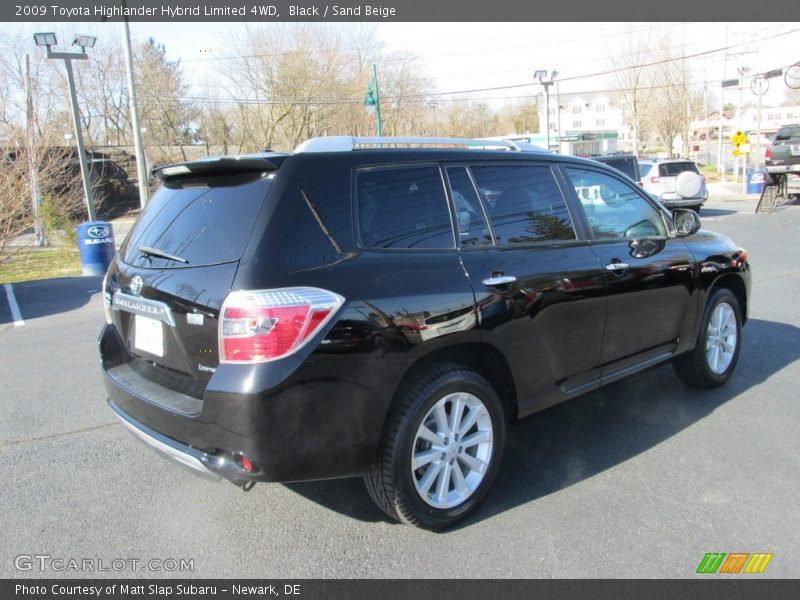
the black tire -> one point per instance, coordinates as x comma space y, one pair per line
693, 367
392, 483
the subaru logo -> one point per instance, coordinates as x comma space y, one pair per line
136, 285
98, 231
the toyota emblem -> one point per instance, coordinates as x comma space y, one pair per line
136, 285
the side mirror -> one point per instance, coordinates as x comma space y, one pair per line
687, 222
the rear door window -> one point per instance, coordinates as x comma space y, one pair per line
203, 222
403, 207
524, 204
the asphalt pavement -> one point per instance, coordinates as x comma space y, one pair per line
638, 479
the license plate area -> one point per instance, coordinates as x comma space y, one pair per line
795, 150
148, 335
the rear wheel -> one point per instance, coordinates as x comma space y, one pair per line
441, 449
713, 359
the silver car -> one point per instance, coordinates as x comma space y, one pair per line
675, 182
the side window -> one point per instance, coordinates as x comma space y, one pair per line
472, 227
403, 207
524, 204
614, 208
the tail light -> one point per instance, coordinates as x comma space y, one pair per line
263, 325
768, 153
654, 179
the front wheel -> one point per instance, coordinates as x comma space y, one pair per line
441, 449
713, 359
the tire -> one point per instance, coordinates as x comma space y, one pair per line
433, 496
713, 359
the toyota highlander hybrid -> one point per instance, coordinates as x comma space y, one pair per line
388, 307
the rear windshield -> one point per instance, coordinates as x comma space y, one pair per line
788, 133
623, 164
202, 222
673, 169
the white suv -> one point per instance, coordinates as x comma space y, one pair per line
675, 182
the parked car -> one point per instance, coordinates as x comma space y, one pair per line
677, 183
367, 307
782, 156
624, 163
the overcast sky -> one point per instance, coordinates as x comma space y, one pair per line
476, 56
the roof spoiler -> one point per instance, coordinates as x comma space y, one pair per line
220, 165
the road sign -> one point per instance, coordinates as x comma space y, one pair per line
739, 138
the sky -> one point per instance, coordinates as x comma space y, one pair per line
477, 56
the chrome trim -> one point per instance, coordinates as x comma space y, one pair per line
499, 280
143, 306
617, 266
184, 456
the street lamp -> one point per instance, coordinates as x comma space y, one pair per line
372, 100
759, 87
541, 76
48, 40
433, 104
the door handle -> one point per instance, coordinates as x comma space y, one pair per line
499, 280
617, 266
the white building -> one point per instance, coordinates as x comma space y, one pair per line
584, 124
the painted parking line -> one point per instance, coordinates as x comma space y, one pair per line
12, 303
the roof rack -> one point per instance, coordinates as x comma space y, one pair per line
343, 143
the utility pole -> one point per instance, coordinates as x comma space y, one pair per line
138, 146
705, 112
433, 104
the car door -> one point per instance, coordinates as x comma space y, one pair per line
538, 285
650, 276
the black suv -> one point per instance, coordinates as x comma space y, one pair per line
365, 307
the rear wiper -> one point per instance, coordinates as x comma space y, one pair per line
150, 251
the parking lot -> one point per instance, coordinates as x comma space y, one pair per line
638, 479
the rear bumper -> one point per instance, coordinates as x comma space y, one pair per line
200, 463
792, 168
678, 201
300, 420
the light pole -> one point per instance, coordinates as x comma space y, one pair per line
759, 87
541, 77
48, 40
372, 100
138, 145
433, 104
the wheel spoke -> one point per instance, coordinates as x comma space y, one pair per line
469, 421
440, 416
435, 439
456, 413
479, 437
474, 464
443, 485
421, 459
430, 476
458, 479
